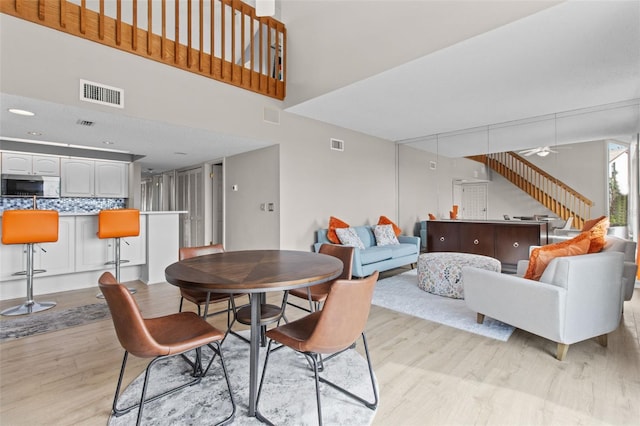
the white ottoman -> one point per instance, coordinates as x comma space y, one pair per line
441, 272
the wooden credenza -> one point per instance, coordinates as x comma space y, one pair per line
507, 241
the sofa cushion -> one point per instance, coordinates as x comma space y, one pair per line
349, 237
375, 254
541, 256
386, 221
335, 223
385, 236
401, 250
366, 235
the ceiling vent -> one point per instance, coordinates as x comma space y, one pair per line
337, 144
86, 123
101, 94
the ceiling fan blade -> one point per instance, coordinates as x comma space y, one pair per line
528, 151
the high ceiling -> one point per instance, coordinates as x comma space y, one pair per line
454, 77
577, 62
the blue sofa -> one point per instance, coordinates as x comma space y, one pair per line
377, 258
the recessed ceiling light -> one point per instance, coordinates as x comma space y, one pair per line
107, 142
21, 112
35, 133
180, 153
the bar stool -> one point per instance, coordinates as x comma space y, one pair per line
117, 224
29, 227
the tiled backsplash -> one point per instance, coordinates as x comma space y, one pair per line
63, 205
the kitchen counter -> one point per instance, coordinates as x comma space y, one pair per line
79, 257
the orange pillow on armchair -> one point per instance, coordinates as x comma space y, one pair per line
597, 230
542, 256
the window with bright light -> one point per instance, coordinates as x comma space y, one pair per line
618, 184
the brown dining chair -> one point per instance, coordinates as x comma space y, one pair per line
200, 298
317, 294
331, 330
159, 338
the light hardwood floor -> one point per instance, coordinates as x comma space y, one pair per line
428, 374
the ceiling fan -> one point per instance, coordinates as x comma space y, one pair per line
542, 151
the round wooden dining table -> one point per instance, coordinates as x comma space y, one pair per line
255, 272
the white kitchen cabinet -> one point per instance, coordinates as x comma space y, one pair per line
77, 177
27, 164
56, 258
93, 253
111, 179
89, 178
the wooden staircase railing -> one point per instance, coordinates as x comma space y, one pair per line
554, 194
239, 48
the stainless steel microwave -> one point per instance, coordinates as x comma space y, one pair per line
30, 185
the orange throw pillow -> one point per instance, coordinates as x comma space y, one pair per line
541, 256
597, 230
432, 216
386, 221
334, 223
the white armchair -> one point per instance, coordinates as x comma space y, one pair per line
577, 298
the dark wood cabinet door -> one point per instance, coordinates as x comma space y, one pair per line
513, 242
477, 238
443, 236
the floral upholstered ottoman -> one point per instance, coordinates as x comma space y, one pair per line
441, 272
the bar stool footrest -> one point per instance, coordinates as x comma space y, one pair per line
35, 271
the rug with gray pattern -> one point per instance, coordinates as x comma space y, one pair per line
53, 319
288, 396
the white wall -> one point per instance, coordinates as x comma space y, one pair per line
357, 185
255, 174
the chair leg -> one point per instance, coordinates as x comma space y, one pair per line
479, 318
371, 405
602, 339
312, 359
180, 307
259, 416
120, 411
218, 351
316, 375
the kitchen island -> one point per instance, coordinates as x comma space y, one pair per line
79, 257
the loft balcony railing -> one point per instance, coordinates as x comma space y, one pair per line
220, 39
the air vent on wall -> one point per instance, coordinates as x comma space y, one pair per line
271, 115
337, 144
101, 94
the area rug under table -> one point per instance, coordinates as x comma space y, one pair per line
288, 396
401, 293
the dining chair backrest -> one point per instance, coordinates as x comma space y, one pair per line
188, 252
344, 253
343, 317
128, 321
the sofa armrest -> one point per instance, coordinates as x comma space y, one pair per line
407, 239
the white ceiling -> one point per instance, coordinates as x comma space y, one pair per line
556, 62
483, 88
